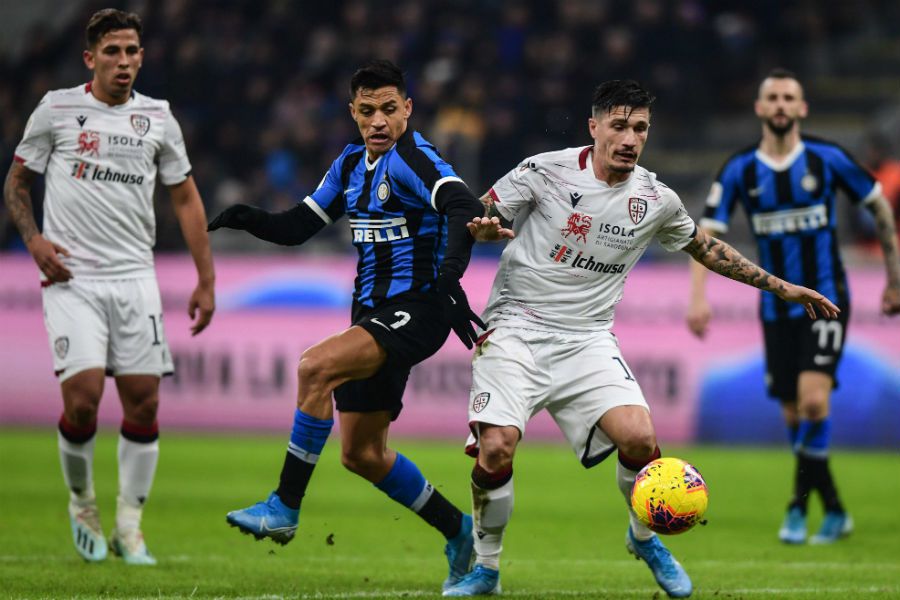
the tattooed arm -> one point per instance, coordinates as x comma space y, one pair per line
493, 226
887, 235
716, 255
17, 196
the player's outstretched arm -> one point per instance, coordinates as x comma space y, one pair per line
720, 257
887, 236
699, 312
288, 228
192, 218
17, 197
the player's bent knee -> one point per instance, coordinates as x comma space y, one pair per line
81, 413
640, 445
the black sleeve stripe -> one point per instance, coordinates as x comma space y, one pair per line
823, 141
734, 156
419, 162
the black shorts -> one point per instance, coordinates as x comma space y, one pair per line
410, 327
796, 345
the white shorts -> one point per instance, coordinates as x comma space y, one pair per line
516, 373
114, 325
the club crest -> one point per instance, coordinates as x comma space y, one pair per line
61, 346
383, 191
140, 124
637, 209
480, 401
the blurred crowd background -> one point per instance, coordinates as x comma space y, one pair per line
260, 86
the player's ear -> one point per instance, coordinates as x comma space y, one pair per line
407, 108
804, 109
352, 110
757, 108
88, 58
592, 127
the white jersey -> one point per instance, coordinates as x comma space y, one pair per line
576, 240
101, 164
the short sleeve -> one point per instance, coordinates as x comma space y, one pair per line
422, 170
678, 229
37, 141
859, 185
518, 188
722, 197
174, 166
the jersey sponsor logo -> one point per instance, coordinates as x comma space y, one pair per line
124, 146
561, 253
383, 191
83, 170
790, 221
637, 209
578, 225
61, 346
378, 230
480, 401
89, 143
81, 120
587, 262
140, 124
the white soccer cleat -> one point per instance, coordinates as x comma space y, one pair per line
131, 547
87, 532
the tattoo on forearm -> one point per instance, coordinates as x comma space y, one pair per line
887, 237
722, 258
17, 196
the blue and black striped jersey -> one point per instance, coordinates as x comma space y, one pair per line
791, 208
397, 230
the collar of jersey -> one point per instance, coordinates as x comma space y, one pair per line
586, 155
371, 166
785, 163
98, 102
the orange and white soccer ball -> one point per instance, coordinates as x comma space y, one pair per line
669, 496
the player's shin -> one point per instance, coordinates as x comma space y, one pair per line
492, 505
76, 456
308, 438
138, 454
406, 484
626, 471
814, 439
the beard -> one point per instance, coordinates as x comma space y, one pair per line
618, 169
780, 130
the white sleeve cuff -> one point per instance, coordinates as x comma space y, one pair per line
318, 210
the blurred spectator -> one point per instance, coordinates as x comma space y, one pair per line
259, 86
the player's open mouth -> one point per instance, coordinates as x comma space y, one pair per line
123, 78
379, 138
626, 156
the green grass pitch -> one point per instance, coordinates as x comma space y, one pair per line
565, 539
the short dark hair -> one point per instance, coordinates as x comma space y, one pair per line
781, 73
620, 92
375, 74
110, 19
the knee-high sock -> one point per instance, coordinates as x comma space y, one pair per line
813, 443
76, 456
626, 471
308, 437
405, 484
138, 456
492, 505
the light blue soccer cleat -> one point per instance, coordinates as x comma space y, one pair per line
131, 547
459, 553
836, 525
267, 519
480, 582
87, 532
669, 573
793, 528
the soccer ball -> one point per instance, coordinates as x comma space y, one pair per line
669, 496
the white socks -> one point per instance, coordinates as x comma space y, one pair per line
625, 478
77, 461
137, 467
491, 510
